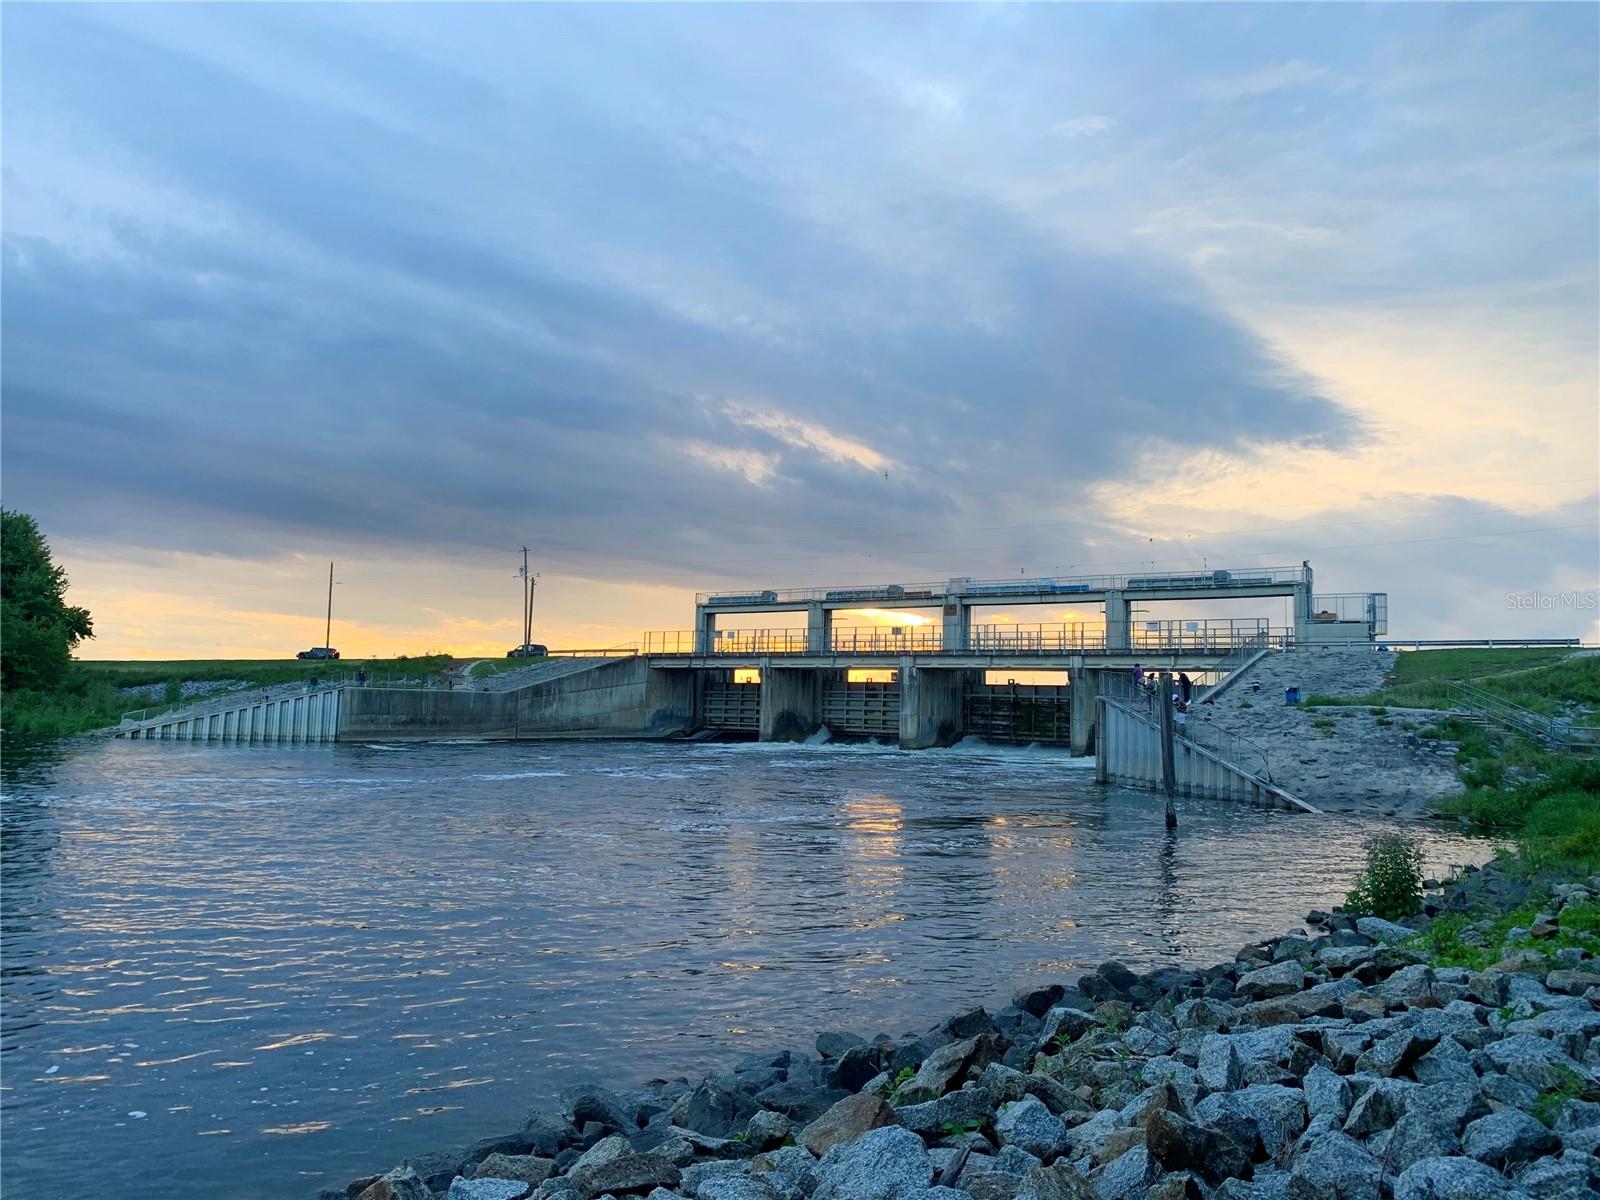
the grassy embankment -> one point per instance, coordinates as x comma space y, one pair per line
89, 697
1548, 802
485, 668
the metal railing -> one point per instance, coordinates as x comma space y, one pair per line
243, 697
891, 594
1192, 725
1559, 733
1219, 636
1234, 660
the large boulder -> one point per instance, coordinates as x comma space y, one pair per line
1264, 1115
402, 1183
486, 1189
1056, 1182
846, 1121
529, 1168
941, 1070
716, 1107
589, 1102
1219, 1067
1029, 1125
1508, 1137
1177, 1144
1280, 979
1326, 1092
1534, 1061
969, 1106
886, 1164
1335, 1167
1454, 1179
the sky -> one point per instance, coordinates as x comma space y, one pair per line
711, 297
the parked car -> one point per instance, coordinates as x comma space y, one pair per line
531, 650
319, 652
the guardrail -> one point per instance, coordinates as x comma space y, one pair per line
1236, 659
1220, 636
1559, 733
1485, 643
881, 594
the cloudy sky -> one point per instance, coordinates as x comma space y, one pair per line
713, 296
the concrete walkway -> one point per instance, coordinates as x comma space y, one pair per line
1356, 765
539, 672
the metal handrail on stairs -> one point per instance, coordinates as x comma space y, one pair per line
1559, 733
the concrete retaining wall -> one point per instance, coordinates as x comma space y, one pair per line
622, 698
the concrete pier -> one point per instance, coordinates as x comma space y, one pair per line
930, 706
791, 704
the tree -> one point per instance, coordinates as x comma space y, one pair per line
38, 628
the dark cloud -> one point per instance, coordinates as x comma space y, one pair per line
334, 343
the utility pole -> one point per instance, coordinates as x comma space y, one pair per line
327, 631
529, 582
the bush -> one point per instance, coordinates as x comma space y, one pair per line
1390, 885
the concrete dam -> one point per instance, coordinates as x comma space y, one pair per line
927, 685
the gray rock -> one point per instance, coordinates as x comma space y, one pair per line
799, 1101
1445, 1061
955, 1108
1394, 1055
1204, 1013
766, 1128
1267, 1115
834, 1043
1508, 1137
1533, 1061
1417, 1136
1558, 1179
734, 1187
1326, 1092
1219, 1067
845, 1122
885, 1164
1383, 931
1126, 1177
1032, 1127
529, 1168
716, 1106
1177, 1144
1038, 1001
1451, 1104
402, 1183
587, 1102
939, 1071
1057, 1182
1279, 979
1379, 1107
1335, 1167
1407, 986
1505, 1090
1453, 1179
790, 1172
1065, 1023
633, 1173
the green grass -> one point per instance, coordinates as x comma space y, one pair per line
1445, 942
499, 666
1550, 681
89, 697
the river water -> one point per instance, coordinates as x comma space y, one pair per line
252, 972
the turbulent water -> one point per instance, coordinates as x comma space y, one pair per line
253, 972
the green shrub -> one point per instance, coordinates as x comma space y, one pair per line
1390, 885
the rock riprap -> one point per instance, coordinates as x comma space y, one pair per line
1336, 1064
